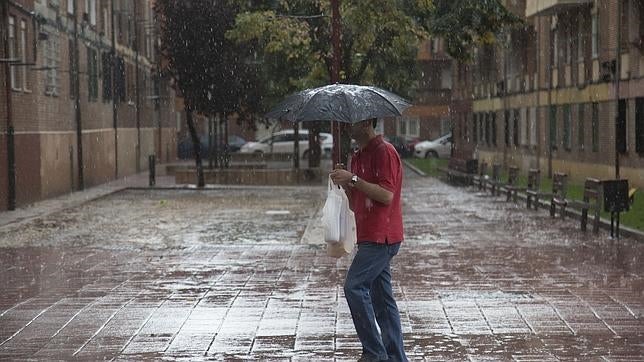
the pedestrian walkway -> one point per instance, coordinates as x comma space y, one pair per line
241, 273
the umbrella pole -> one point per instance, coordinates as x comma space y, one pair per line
337, 153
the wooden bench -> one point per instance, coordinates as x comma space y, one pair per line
533, 191
494, 182
480, 178
511, 188
592, 199
558, 197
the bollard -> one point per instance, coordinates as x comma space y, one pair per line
151, 168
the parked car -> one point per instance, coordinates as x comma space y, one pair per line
284, 142
438, 148
185, 148
403, 144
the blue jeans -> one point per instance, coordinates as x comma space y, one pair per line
370, 298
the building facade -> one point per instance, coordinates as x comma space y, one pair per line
82, 96
429, 117
563, 93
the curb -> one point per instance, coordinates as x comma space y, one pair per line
414, 168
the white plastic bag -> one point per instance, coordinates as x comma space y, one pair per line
339, 222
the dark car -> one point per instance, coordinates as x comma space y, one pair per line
184, 148
403, 144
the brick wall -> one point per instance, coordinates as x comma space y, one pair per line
576, 82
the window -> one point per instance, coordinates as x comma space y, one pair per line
51, 62
555, 42
570, 37
92, 75
487, 129
533, 126
639, 125
580, 126
523, 127
493, 121
567, 120
553, 127
23, 54
474, 128
106, 63
506, 128
641, 16
409, 127
595, 35
581, 39
90, 10
12, 51
72, 69
595, 127
446, 78
70, 6
481, 128
446, 126
106, 21
414, 128
402, 127
119, 80
515, 127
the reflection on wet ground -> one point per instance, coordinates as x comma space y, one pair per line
223, 274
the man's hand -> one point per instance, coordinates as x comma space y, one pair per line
341, 177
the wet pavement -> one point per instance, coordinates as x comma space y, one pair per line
241, 273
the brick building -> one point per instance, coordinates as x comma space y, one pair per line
83, 77
429, 117
557, 94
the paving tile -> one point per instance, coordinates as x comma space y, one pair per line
480, 281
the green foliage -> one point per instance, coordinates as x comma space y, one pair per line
464, 24
429, 166
212, 73
379, 41
379, 44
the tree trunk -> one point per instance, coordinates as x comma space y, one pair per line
224, 142
196, 146
211, 142
314, 146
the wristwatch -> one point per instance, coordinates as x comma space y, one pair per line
354, 180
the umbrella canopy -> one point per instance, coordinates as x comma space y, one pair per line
339, 102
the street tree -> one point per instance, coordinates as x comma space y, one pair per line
379, 40
464, 24
379, 44
211, 73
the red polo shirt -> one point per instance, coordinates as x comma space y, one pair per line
380, 164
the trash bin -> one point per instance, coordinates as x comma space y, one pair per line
615, 200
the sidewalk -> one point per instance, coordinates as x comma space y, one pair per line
241, 273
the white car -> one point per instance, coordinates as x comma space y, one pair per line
284, 142
438, 148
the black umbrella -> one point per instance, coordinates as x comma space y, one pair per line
339, 102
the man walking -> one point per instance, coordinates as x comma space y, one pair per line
374, 186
